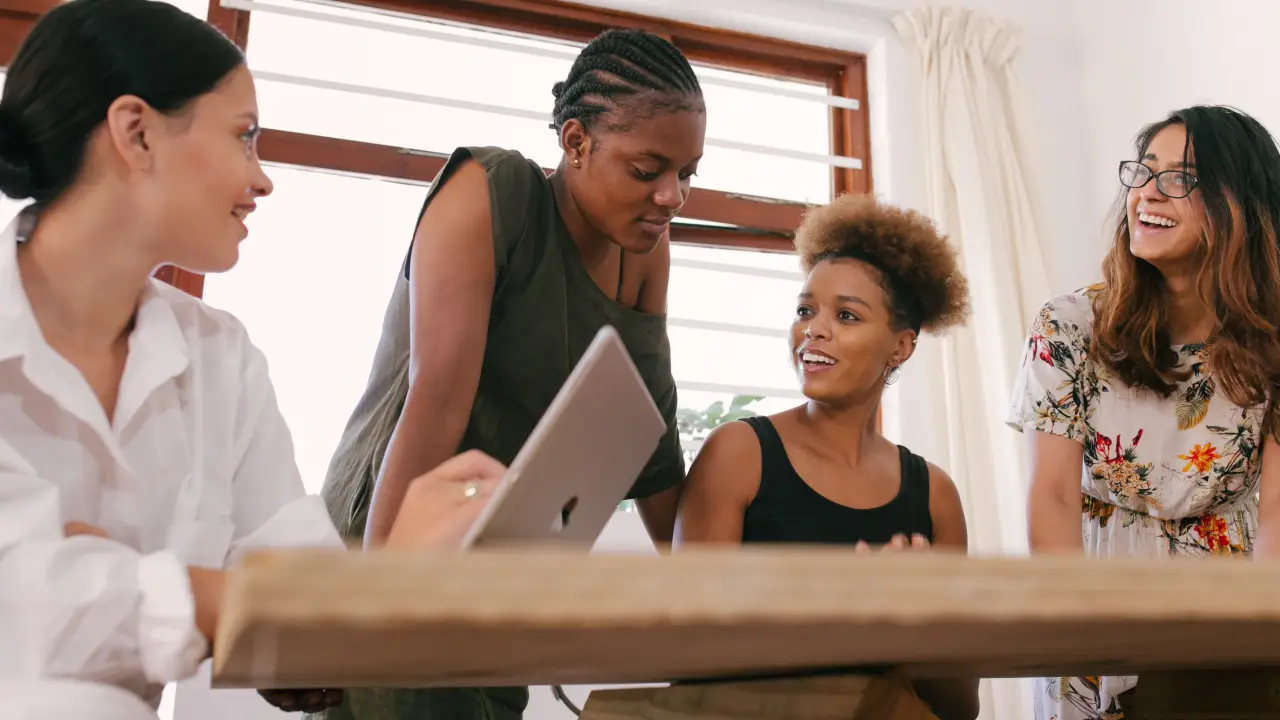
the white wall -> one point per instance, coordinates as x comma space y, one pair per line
1144, 58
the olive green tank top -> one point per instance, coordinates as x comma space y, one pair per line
546, 311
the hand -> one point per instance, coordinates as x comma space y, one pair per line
896, 543
308, 701
75, 527
439, 507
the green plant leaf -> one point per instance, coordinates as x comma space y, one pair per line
713, 413
688, 419
733, 415
740, 402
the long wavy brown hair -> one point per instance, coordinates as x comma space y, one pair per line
1238, 260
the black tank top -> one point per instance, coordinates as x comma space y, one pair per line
787, 510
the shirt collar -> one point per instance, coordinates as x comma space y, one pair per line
17, 323
158, 347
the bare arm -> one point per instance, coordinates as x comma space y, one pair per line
451, 283
658, 512
1268, 543
206, 590
949, 698
1053, 515
81, 606
723, 481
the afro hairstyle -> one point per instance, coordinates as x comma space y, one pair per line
917, 267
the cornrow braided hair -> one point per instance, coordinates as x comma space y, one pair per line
621, 64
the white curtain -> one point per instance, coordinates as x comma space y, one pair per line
976, 172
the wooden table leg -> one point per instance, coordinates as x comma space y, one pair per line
853, 697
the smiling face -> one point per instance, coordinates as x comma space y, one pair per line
201, 176
629, 184
1163, 230
843, 340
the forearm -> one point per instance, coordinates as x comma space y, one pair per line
139, 610
426, 435
1053, 522
206, 591
658, 513
1267, 543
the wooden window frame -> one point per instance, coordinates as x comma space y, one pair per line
758, 223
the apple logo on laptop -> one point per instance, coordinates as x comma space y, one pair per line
562, 521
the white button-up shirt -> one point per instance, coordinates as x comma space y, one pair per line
196, 467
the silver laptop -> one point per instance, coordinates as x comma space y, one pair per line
584, 455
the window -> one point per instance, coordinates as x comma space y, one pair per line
301, 82
389, 105
322, 329
359, 120
387, 115
728, 321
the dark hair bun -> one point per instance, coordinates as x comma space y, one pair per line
78, 58
557, 90
15, 162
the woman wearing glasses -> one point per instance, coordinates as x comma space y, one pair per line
1152, 394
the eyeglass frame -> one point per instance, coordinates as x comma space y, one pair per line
1153, 175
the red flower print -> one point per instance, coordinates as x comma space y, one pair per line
1213, 531
1201, 458
1040, 346
1104, 445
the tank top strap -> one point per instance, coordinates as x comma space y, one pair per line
915, 487
774, 464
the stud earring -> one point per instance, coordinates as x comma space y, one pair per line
577, 163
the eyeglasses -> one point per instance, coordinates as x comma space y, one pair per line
1172, 183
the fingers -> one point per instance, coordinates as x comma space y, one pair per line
476, 472
442, 505
896, 543
308, 701
470, 466
75, 527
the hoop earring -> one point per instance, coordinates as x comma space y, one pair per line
891, 374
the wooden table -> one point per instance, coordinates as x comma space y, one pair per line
512, 617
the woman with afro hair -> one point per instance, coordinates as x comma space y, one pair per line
875, 277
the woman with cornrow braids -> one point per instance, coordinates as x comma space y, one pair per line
508, 278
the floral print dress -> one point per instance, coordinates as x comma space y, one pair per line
1161, 476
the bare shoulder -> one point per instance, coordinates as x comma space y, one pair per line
940, 483
734, 441
946, 510
728, 462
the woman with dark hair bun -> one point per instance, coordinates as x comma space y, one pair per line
141, 448
1149, 401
